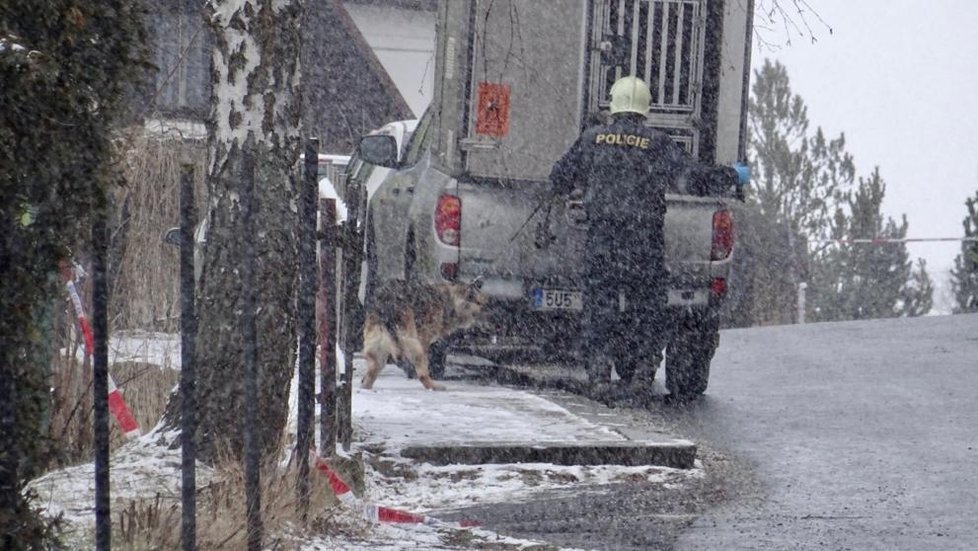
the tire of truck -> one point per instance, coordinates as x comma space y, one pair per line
627, 365
690, 352
625, 369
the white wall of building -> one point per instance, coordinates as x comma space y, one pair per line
404, 42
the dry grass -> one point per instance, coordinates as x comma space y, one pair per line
146, 390
146, 293
71, 400
221, 524
152, 524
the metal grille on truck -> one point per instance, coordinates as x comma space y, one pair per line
657, 40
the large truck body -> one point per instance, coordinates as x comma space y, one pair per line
516, 83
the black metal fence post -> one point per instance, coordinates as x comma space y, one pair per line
100, 378
9, 461
326, 312
188, 376
249, 333
309, 190
352, 252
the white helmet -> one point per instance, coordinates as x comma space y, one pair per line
630, 95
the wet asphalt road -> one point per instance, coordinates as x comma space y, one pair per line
860, 435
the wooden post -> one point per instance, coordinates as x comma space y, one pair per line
326, 317
307, 319
100, 378
188, 378
352, 258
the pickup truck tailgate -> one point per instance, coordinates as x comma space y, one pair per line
494, 246
511, 260
689, 238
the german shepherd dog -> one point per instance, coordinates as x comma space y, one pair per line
406, 318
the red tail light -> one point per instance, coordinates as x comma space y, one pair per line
449, 271
723, 235
448, 219
718, 287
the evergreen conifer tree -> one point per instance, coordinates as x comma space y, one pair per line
918, 292
855, 280
964, 275
66, 70
799, 179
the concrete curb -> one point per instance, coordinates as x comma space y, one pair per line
569, 381
641, 447
640, 444
678, 454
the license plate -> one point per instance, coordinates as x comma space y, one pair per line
557, 299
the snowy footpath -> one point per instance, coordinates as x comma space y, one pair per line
396, 413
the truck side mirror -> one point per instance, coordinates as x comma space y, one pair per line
172, 236
378, 149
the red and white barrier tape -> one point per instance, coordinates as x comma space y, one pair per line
378, 513
117, 405
123, 415
86, 329
886, 240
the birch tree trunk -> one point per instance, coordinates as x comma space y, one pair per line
255, 108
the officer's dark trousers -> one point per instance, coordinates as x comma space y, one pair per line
624, 301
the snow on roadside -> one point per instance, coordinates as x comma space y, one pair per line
140, 469
397, 537
450, 487
328, 191
150, 347
143, 470
7, 44
398, 412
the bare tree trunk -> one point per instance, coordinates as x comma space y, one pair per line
255, 109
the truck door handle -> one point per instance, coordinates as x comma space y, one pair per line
410, 190
576, 212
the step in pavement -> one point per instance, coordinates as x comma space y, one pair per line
474, 422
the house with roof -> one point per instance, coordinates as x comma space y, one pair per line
364, 63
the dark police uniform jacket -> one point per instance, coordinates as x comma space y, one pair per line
624, 169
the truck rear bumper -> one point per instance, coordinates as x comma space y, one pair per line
512, 323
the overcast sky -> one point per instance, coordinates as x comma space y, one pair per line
900, 78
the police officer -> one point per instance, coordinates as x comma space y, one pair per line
624, 168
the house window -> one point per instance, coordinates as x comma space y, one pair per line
181, 52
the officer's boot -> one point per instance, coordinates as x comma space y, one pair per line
598, 368
642, 386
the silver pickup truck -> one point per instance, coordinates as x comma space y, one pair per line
466, 196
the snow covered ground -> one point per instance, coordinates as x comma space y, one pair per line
396, 413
